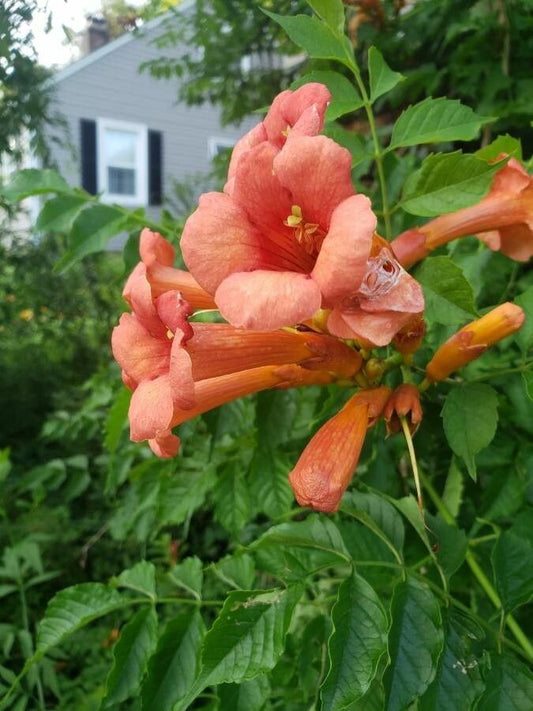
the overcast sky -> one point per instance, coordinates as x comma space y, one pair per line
51, 47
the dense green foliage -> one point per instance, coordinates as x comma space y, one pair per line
129, 582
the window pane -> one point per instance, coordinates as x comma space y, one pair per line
119, 147
121, 181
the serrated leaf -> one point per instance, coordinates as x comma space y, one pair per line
381, 513
74, 607
415, 644
189, 576
269, 482
527, 376
524, 337
509, 686
174, 665
32, 181
318, 40
354, 142
512, 561
452, 544
436, 121
446, 182
458, 681
358, 642
295, 550
140, 578
344, 96
58, 213
449, 297
331, 11
452, 496
237, 570
248, 696
91, 231
248, 636
470, 418
116, 420
135, 646
382, 77
501, 144
183, 493
232, 498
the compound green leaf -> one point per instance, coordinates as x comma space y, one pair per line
91, 231
58, 213
232, 498
317, 38
447, 182
72, 609
248, 696
174, 665
458, 681
524, 337
331, 11
131, 653
436, 121
509, 686
248, 636
344, 96
189, 576
470, 418
415, 644
512, 561
382, 77
32, 181
140, 578
358, 642
448, 294
295, 550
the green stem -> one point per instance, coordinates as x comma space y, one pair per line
378, 152
478, 572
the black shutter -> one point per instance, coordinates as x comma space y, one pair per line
155, 168
88, 155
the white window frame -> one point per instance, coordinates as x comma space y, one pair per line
215, 142
141, 162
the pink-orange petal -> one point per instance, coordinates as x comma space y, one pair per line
218, 239
151, 409
317, 173
155, 248
165, 445
180, 374
247, 142
376, 328
265, 300
342, 261
139, 354
515, 241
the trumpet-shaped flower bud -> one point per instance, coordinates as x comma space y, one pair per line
327, 464
404, 402
503, 220
473, 340
409, 338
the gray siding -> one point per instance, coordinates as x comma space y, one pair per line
108, 85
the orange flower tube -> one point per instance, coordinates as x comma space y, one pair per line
503, 220
327, 464
473, 340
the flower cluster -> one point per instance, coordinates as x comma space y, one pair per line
289, 256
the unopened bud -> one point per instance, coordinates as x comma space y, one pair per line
404, 402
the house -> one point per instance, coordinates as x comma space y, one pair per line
129, 139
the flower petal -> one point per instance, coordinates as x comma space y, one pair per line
155, 248
267, 300
516, 241
165, 445
317, 173
376, 328
141, 356
218, 239
301, 111
342, 261
247, 142
138, 294
151, 409
406, 296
